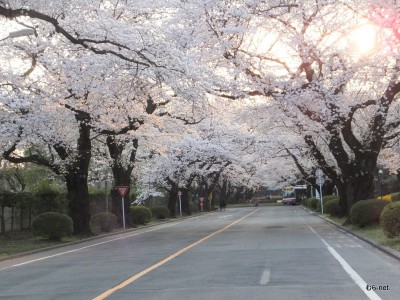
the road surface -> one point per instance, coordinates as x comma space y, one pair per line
276, 252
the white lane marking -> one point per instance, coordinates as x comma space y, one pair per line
86, 247
227, 216
169, 258
349, 270
265, 277
102, 243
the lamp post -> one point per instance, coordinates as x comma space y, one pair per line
380, 172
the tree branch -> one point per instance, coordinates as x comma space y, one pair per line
84, 42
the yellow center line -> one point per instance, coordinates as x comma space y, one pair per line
165, 260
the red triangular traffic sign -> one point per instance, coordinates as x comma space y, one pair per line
122, 190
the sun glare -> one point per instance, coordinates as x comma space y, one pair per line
363, 39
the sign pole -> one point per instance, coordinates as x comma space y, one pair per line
322, 202
123, 210
180, 203
122, 190
320, 181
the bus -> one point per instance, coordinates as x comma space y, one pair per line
294, 194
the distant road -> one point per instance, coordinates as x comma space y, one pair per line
277, 252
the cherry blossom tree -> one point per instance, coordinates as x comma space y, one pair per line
97, 64
206, 155
107, 69
305, 60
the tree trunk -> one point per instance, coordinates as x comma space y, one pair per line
77, 181
223, 192
173, 195
12, 218
238, 196
2, 221
353, 190
122, 176
78, 199
185, 202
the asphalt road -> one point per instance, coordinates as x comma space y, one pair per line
241, 253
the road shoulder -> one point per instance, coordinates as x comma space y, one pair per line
389, 251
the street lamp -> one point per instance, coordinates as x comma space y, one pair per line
380, 172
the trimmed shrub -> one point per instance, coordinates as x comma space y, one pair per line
52, 225
140, 214
160, 212
311, 203
325, 199
331, 207
103, 222
390, 220
366, 212
330, 197
395, 197
307, 202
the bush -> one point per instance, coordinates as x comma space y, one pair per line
330, 197
140, 214
311, 203
367, 212
396, 197
325, 199
52, 225
331, 207
390, 220
103, 222
160, 212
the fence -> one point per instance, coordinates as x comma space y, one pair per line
13, 219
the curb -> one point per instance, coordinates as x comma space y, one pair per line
391, 252
17, 255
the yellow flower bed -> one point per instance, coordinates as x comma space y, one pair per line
387, 197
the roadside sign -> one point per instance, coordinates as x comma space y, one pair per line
320, 181
319, 173
179, 193
122, 190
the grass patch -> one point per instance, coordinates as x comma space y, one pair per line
337, 220
24, 241
375, 233
371, 232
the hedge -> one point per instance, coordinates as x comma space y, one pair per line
311, 203
103, 222
52, 225
331, 207
396, 197
366, 212
140, 214
325, 199
160, 212
390, 220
